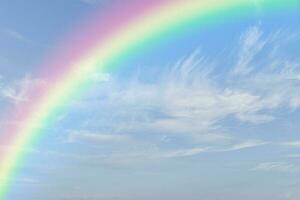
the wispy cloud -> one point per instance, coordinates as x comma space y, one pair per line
244, 145
196, 151
251, 44
277, 167
18, 91
189, 100
183, 152
128, 158
292, 144
95, 137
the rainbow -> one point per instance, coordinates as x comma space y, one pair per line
99, 45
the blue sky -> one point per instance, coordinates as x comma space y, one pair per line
210, 114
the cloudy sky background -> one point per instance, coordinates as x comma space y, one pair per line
213, 114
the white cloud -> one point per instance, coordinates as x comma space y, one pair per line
277, 167
275, 74
95, 137
198, 150
188, 99
245, 145
251, 45
19, 91
148, 153
183, 152
292, 144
